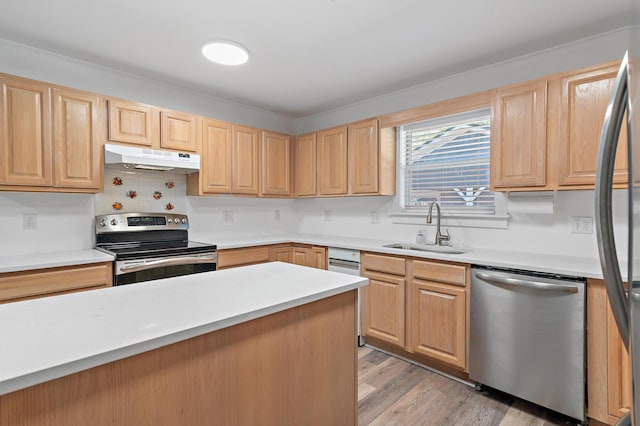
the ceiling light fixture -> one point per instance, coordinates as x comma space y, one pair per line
226, 52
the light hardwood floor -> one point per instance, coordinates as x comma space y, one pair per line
394, 392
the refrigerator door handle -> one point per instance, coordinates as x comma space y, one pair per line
603, 200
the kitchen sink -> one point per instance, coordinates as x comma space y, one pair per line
428, 248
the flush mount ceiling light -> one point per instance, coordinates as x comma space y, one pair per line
226, 52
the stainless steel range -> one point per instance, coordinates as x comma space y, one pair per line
150, 246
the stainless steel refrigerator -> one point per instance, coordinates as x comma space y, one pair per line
625, 306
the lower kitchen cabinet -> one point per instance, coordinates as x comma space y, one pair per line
232, 258
608, 363
418, 306
32, 284
383, 300
299, 254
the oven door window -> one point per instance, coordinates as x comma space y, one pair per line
162, 272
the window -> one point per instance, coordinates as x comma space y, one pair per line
447, 160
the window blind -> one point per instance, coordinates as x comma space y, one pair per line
447, 160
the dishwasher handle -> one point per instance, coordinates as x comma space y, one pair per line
515, 282
344, 264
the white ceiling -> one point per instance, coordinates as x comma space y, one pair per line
307, 56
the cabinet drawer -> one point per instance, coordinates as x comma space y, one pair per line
238, 257
50, 281
388, 264
443, 272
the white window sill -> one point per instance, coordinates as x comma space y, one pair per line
494, 221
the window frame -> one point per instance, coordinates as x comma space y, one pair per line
444, 121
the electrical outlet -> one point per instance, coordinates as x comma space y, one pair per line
228, 216
328, 215
582, 225
30, 221
374, 217
277, 215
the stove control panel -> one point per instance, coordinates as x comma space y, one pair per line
133, 222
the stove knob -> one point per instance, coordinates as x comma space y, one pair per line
184, 221
114, 222
103, 223
169, 220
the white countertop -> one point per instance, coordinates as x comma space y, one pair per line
47, 338
553, 264
56, 259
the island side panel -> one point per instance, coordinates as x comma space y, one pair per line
298, 366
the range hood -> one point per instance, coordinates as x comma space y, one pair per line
134, 158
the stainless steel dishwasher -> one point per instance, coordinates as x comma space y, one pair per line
527, 337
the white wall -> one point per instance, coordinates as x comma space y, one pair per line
251, 217
546, 233
64, 222
49, 67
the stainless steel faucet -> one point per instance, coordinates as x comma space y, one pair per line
439, 236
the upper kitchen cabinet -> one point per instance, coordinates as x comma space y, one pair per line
50, 138
362, 141
305, 166
246, 160
215, 175
275, 164
178, 131
519, 136
582, 97
76, 139
332, 163
133, 123
26, 154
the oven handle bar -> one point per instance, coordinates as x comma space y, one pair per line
173, 261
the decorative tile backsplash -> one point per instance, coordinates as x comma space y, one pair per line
141, 191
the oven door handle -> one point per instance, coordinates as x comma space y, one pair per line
173, 261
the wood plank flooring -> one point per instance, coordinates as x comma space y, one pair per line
392, 391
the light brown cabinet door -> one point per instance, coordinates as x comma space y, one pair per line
584, 100
178, 131
618, 370
246, 154
23, 285
231, 258
438, 322
217, 154
25, 140
76, 139
133, 123
383, 300
276, 164
518, 136
318, 258
608, 363
383, 305
280, 253
363, 157
300, 256
305, 165
332, 161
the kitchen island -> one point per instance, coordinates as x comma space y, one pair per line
265, 344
